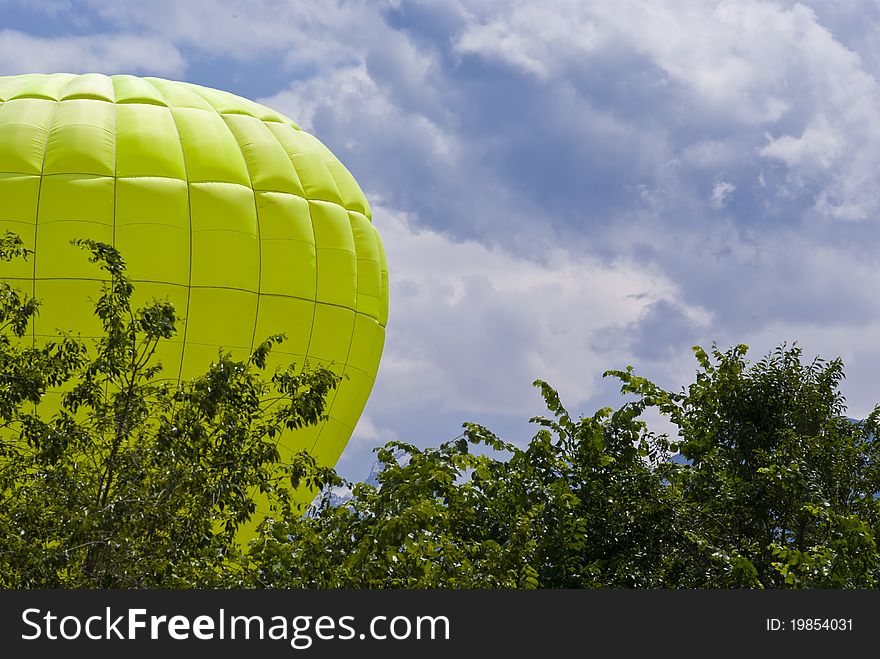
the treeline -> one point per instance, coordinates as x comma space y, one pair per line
142, 484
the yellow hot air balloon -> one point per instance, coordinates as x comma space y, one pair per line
246, 223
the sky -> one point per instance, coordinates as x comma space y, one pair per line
563, 187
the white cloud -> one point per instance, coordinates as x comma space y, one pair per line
472, 327
761, 66
367, 432
710, 154
101, 53
819, 146
721, 193
734, 56
347, 91
351, 97
532, 36
308, 31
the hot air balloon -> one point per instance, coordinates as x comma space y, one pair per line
246, 223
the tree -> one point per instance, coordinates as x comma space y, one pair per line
777, 489
135, 482
583, 506
781, 487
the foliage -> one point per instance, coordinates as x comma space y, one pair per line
134, 481
582, 506
126, 480
780, 485
776, 489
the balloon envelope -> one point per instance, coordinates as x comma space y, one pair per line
246, 223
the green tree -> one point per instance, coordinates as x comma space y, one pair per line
135, 482
777, 489
780, 485
585, 505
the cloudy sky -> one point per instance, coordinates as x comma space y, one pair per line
562, 186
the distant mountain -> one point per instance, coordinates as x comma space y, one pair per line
342, 494
335, 496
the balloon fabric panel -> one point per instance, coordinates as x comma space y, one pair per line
249, 225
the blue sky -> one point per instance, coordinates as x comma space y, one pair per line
563, 187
